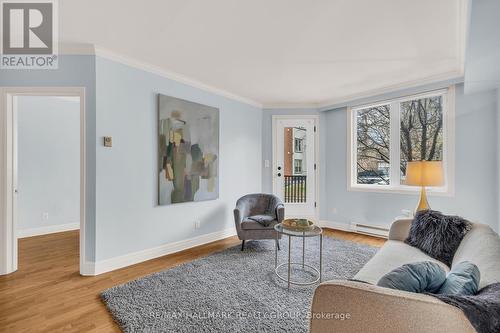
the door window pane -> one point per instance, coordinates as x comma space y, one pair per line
294, 165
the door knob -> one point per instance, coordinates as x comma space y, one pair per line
279, 174
279, 168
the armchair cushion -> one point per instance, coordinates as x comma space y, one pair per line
249, 224
265, 220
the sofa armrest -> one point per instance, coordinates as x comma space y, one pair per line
400, 229
348, 306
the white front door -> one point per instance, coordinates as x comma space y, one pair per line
294, 164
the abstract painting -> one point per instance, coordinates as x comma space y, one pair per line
188, 147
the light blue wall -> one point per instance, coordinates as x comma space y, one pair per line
476, 166
128, 218
267, 150
73, 71
482, 67
48, 161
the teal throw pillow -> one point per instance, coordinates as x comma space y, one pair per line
463, 279
415, 277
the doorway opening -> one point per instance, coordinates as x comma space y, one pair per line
44, 175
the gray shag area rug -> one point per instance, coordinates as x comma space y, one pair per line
231, 290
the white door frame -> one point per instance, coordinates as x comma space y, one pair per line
8, 169
315, 118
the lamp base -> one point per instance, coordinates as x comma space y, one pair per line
423, 204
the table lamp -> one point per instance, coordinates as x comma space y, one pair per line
424, 173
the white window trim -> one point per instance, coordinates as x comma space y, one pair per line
448, 146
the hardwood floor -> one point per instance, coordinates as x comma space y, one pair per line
47, 294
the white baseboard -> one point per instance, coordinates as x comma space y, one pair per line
111, 264
50, 229
336, 225
369, 229
87, 269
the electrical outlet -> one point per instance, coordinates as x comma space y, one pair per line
45, 216
334, 210
266, 163
197, 224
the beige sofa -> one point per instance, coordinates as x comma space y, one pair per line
348, 306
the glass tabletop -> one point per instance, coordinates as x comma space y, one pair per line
315, 231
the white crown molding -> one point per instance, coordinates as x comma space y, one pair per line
50, 229
441, 80
271, 106
111, 264
89, 49
463, 29
445, 79
107, 54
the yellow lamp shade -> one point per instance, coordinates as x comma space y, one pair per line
424, 173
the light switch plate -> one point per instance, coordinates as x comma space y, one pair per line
108, 141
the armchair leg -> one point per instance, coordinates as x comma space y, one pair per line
242, 245
277, 244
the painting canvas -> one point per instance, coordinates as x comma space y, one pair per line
188, 146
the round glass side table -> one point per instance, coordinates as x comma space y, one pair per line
315, 232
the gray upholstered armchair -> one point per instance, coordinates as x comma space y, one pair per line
256, 215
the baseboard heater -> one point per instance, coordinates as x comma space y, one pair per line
370, 229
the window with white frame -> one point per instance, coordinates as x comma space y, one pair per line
385, 136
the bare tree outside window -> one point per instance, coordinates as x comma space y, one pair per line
373, 145
421, 131
417, 134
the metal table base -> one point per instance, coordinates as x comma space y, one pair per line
288, 279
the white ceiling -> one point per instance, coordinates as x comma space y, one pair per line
280, 52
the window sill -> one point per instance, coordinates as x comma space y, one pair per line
408, 190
